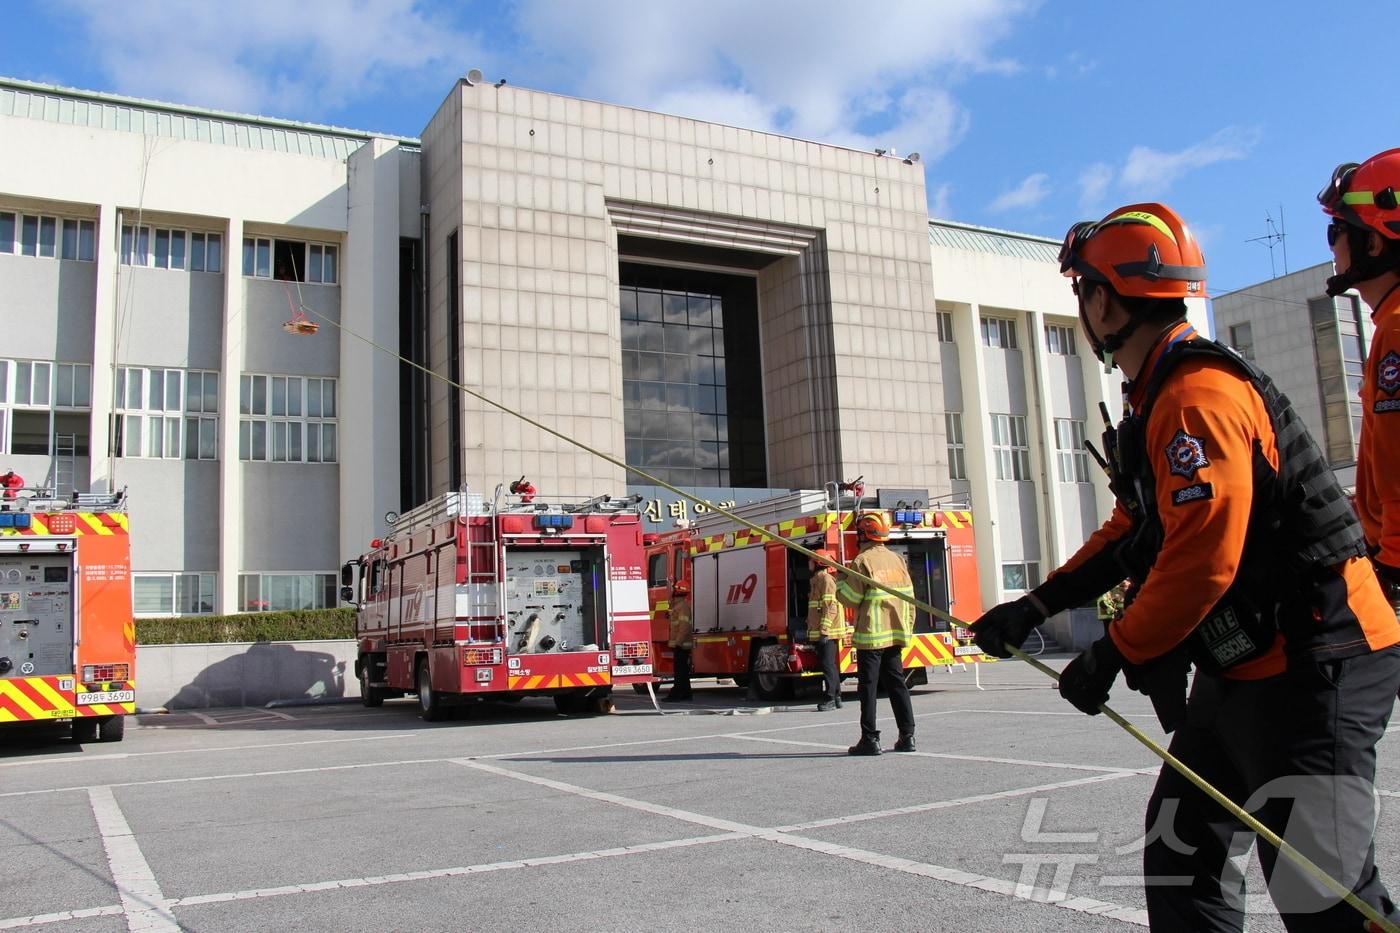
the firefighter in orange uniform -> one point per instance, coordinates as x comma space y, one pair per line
1365, 238
1248, 563
826, 626
681, 639
884, 625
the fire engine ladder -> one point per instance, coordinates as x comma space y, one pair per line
65, 449
482, 558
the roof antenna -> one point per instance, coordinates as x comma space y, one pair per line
1275, 237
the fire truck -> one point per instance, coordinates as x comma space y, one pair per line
749, 591
467, 599
67, 639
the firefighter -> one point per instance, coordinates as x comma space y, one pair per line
682, 640
884, 625
11, 482
1246, 562
826, 626
1365, 239
1110, 605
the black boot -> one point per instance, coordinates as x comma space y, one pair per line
868, 745
824, 705
905, 743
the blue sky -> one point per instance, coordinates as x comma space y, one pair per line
1029, 115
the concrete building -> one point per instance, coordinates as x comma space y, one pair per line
1314, 347
730, 310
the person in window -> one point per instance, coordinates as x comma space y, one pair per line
1247, 563
681, 640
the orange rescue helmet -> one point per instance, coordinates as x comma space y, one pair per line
681, 588
826, 554
873, 526
1364, 194
1141, 250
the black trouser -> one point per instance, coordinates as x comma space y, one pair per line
828, 649
883, 667
1299, 752
680, 681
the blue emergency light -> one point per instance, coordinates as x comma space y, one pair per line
554, 521
908, 517
15, 520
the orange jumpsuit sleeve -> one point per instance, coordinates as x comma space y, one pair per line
1378, 466
1091, 572
1201, 435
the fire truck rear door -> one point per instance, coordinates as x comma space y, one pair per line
36, 612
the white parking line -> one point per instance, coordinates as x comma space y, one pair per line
375, 880
981, 759
77, 758
999, 886
142, 901
959, 802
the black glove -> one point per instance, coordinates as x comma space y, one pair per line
1085, 682
1007, 624
1163, 681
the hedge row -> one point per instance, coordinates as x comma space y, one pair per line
294, 625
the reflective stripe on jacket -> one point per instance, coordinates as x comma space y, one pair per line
882, 620
825, 617
682, 634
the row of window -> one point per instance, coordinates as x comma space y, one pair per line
168, 248
169, 414
290, 260
163, 248
51, 237
180, 594
1011, 449
1000, 334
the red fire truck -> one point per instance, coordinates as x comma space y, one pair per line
750, 592
67, 640
467, 599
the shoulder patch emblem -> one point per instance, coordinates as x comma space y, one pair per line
1186, 454
1388, 373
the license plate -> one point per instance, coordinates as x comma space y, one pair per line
108, 696
964, 650
623, 670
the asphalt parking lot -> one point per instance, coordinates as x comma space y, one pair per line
1016, 813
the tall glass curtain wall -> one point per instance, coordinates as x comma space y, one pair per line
692, 390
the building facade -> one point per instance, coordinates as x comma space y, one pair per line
727, 310
1314, 347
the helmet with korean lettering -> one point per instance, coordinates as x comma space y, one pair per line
1361, 199
1143, 253
873, 526
1142, 250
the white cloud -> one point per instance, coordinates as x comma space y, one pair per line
1093, 185
1149, 171
1030, 192
268, 55
828, 71
938, 202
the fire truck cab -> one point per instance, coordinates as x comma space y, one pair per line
468, 600
67, 639
749, 591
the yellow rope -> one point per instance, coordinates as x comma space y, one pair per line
1181, 768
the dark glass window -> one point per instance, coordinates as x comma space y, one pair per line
690, 358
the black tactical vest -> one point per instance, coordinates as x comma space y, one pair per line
1300, 526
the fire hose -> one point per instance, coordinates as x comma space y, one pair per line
1234, 809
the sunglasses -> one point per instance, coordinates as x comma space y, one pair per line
1335, 231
